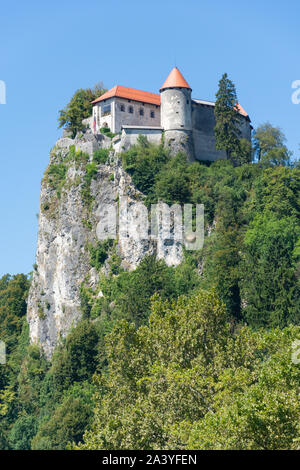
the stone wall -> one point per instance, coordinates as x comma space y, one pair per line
180, 141
203, 121
130, 135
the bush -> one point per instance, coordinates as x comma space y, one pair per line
76, 360
143, 162
101, 156
99, 253
106, 131
23, 430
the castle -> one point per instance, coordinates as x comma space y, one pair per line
185, 123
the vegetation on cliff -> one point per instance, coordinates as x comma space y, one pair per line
197, 356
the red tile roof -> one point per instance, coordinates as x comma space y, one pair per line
241, 110
175, 79
130, 94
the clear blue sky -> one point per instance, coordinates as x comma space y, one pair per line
50, 49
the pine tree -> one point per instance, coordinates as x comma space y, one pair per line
227, 132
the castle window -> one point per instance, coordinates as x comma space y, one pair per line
130, 109
152, 114
122, 108
141, 111
106, 110
187, 102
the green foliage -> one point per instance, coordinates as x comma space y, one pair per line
101, 156
13, 295
222, 267
22, 431
278, 190
269, 283
153, 362
227, 130
269, 144
158, 370
253, 409
131, 292
172, 184
56, 176
143, 161
187, 381
99, 253
66, 425
90, 173
80, 158
76, 359
244, 152
79, 108
106, 131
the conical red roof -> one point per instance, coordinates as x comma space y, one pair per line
175, 79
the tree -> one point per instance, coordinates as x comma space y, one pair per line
245, 152
269, 285
253, 409
277, 190
227, 131
186, 381
143, 162
22, 431
131, 291
222, 267
79, 108
172, 185
158, 374
13, 295
269, 145
67, 424
76, 359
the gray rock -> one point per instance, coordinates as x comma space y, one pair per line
62, 256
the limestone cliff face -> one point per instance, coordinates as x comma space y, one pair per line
67, 227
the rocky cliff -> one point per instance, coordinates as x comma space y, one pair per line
73, 191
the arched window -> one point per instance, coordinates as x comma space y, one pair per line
152, 114
130, 109
122, 108
141, 111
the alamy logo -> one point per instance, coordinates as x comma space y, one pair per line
2, 92
296, 352
2, 352
169, 225
296, 94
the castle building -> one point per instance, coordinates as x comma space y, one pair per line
185, 123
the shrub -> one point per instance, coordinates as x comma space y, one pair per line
101, 156
99, 253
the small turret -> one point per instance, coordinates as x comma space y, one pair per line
176, 113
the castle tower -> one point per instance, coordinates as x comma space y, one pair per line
176, 114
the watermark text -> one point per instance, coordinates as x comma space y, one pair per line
2, 92
296, 93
